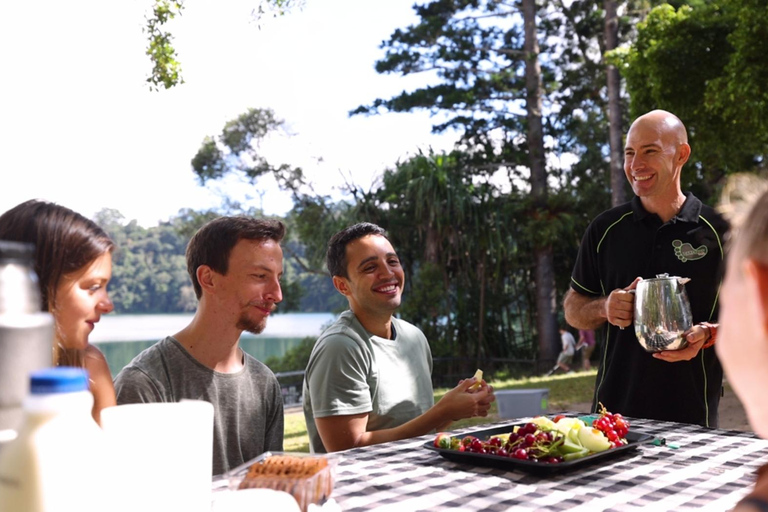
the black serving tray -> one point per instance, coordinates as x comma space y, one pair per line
634, 439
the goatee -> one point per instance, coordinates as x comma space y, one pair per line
248, 325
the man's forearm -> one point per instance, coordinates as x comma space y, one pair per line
345, 432
583, 312
418, 426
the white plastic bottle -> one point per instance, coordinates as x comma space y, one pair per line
57, 462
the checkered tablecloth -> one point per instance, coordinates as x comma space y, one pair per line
710, 470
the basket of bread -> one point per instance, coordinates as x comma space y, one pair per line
308, 478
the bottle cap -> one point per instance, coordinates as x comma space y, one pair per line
11, 250
62, 379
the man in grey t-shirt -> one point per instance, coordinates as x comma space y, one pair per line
235, 264
368, 380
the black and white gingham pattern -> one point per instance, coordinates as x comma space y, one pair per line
711, 470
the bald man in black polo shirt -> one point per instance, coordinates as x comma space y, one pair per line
662, 230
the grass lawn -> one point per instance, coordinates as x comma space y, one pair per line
564, 390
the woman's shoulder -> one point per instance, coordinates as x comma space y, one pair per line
101, 381
93, 353
97, 365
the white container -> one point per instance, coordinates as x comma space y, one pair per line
520, 403
163, 455
57, 461
26, 333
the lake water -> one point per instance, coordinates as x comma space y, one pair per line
122, 337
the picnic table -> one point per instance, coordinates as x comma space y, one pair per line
695, 468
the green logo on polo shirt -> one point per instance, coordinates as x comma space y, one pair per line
686, 252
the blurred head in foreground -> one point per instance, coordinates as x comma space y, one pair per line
742, 343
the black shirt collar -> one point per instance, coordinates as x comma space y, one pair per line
688, 213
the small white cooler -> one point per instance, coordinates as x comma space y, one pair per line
519, 403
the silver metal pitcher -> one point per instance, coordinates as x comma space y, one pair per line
662, 313
26, 332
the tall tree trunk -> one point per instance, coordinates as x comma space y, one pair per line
481, 313
618, 180
545, 274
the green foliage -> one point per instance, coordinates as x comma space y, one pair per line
475, 54
706, 63
294, 359
236, 151
149, 272
166, 70
277, 7
475, 51
467, 248
208, 162
740, 94
149, 269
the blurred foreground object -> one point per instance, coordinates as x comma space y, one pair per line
26, 332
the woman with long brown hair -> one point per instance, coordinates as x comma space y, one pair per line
73, 262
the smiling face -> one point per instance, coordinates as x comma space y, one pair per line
80, 300
654, 154
375, 283
251, 289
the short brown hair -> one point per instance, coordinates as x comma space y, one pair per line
64, 241
213, 243
336, 255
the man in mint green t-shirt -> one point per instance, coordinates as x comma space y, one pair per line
368, 380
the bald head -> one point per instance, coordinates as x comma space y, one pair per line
666, 124
654, 154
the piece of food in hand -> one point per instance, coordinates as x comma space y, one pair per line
593, 440
443, 440
478, 378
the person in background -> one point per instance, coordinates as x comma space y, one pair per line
566, 354
368, 379
73, 262
235, 264
660, 231
586, 342
743, 335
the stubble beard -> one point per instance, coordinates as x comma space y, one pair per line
247, 324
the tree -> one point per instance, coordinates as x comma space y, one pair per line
467, 250
545, 274
739, 94
236, 151
478, 55
166, 69
450, 234
150, 273
312, 221
611, 36
720, 102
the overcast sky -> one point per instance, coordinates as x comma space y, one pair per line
79, 126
